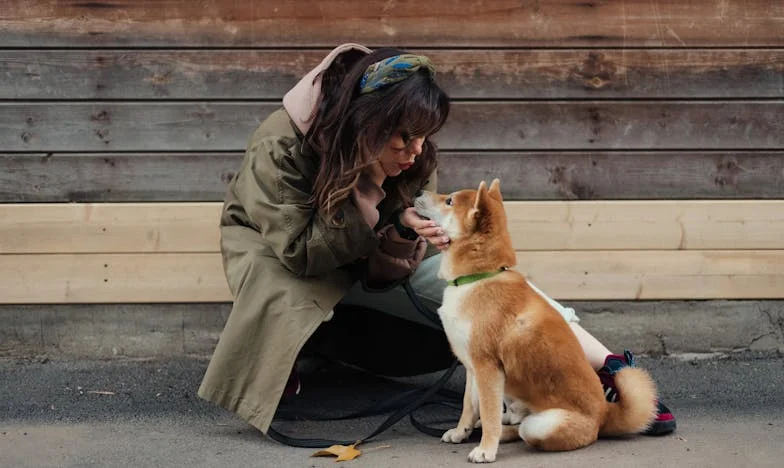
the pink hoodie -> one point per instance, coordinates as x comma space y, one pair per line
300, 102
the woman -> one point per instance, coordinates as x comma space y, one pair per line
319, 214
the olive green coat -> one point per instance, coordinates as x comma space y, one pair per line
286, 268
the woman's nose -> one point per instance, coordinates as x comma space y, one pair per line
416, 146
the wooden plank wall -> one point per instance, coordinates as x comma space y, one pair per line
602, 101
122, 101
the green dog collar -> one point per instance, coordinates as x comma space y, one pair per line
466, 279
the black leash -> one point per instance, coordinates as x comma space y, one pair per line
402, 405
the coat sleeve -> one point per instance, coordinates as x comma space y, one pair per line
396, 257
394, 260
275, 196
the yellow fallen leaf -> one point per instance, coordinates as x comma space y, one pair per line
343, 452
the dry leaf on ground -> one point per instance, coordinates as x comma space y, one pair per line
343, 452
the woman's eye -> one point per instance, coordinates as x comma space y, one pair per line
448, 201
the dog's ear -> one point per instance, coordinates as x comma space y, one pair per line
495, 189
480, 193
479, 202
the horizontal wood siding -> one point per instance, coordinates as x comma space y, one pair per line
640, 144
601, 225
464, 74
474, 126
565, 275
323, 23
128, 177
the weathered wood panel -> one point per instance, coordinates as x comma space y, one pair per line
614, 125
486, 74
531, 125
607, 225
559, 23
619, 175
112, 126
116, 176
575, 275
133, 177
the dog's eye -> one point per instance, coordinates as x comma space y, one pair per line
448, 201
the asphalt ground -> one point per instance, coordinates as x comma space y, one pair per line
730, 411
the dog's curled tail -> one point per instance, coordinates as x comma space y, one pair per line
635, 409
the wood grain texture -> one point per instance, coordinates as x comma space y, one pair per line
648, 275
112, 278
109, 228
619, 175
614, 125
135, 177
325, 23
475, 74
119, 177
484, 125
565, 275
597, 225
654, 225
113, 126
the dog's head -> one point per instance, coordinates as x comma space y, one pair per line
475, 221
465, 213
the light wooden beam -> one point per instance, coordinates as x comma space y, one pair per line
565, 275
535, 225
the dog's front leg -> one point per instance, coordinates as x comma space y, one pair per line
489, 379
469, 415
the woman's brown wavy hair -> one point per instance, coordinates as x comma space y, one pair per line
349, 130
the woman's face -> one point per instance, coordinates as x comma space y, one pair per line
398, 156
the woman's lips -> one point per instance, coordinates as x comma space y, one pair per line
405, 166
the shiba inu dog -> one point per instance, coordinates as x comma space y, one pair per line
515, 347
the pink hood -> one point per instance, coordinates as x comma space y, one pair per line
300, 102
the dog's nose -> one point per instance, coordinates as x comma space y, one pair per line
419, 193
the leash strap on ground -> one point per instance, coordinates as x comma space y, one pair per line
406, 409
405, 403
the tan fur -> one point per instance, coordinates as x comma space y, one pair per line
516, 347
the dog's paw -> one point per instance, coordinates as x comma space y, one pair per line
511, 419
456, 435
480, 455
506, 418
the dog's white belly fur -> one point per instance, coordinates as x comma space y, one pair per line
457, 328
458, 332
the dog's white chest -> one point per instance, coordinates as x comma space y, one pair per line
457, 325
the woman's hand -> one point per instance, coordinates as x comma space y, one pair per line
426, 228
